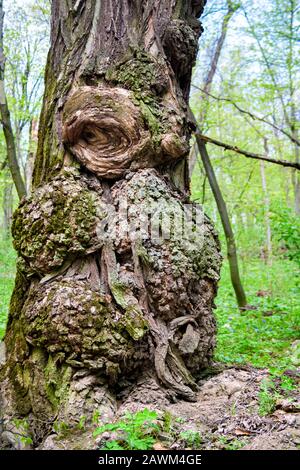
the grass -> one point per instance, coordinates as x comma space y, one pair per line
7, 274
263, 337
132, 432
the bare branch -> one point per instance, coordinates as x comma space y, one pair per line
247, 154
253, 116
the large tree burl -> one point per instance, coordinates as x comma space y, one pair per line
145, 293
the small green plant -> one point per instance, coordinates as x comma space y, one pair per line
26, 440
267, 397
61, 428
96, 416
134, 431
232, 444
180, 420
287, 384
192, 438
167, 421
233, 409
81, 424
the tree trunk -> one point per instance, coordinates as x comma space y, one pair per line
12, 159
208, 81
110, 290
7, 205
230, 240
296, 177
268, 256
33, 134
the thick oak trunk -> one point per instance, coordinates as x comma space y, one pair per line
110, 290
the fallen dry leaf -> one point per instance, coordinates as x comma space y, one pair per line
159, 446
242, 432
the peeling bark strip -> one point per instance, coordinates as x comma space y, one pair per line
93, 311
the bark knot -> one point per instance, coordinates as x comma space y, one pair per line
107, 132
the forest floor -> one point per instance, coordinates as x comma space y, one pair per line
251, 398
238, 408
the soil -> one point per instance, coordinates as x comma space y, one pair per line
226, 415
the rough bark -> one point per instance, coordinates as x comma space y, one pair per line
94, 307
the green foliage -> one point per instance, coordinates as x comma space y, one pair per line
96, 416
135, 431
267, 397
262, 337
7, 273
232, 444
167, 421
26, 440
61, 428
286, 229
287, 384
191, 438
81, 424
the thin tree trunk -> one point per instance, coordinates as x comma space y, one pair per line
230, 240
102, 295
6, 121
266, 207
296, 176
33, 137
7, 206
208, 81
231, 247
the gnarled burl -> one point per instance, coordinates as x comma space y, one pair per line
117, 270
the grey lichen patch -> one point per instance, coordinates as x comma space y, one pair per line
57, 379
57, 222
67, 317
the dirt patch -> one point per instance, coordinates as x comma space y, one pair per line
227, 414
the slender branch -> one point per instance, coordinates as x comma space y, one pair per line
249, 113
247, 154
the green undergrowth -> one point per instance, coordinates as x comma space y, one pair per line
134, 431
267, 335
7, 274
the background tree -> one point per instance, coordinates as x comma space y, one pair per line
25, 46
202, 151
